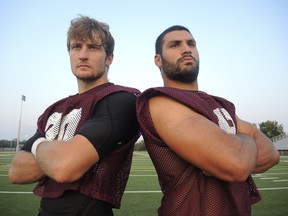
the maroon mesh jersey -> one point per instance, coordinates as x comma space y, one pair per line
107, 179
186, 190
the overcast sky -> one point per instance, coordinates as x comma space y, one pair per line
243, 48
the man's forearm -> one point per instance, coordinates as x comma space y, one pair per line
24, 169
268, 155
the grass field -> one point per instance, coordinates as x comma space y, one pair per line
142, 195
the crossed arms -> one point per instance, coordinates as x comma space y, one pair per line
67, 161
230, 157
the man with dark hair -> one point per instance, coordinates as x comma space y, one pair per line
81, 153
203, 152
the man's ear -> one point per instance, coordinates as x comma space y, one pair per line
158, 60
109, 60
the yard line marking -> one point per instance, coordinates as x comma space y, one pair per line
15, 192
143, 154
280, 180
265, 174
133, 192
280, 188
269, 178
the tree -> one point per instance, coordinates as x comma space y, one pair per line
140, 146
271, 129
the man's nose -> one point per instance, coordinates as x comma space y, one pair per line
83, 53
186, 49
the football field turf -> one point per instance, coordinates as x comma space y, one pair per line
143, 195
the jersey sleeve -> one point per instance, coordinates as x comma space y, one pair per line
113, 122
28, 145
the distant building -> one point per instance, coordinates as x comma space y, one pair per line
281, 144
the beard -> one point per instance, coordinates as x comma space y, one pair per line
186, 74
89, 77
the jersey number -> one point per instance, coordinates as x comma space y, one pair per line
62, 128
223, 120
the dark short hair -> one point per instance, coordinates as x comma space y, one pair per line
85, 27
159, 40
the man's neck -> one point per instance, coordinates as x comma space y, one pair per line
180, 85
84, 86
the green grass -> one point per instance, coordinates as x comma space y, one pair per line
142, 196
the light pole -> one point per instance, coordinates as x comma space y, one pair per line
19, 127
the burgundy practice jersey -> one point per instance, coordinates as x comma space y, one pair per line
186, 190
107, 179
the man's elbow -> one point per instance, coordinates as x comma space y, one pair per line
241, 175
65, 175
13, 178
62, 178
238, 173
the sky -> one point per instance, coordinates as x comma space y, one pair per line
243, 48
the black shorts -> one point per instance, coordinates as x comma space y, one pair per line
72, 203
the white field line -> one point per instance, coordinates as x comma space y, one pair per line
15, 192
261, 175
143, 154
278, 188
267, 178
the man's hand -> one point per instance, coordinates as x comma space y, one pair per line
24, 169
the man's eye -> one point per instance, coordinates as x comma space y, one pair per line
95, 47
173, 45
75, 47
192, 44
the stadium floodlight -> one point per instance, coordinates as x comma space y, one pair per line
19, 126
